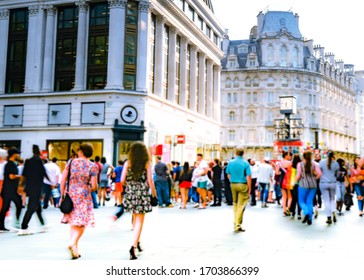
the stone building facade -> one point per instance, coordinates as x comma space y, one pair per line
276, 61
110, 73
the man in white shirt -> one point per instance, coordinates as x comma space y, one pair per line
265, 177
54, 173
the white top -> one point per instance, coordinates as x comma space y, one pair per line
254, 169
198, 170
265, 173
53, 172
2, 166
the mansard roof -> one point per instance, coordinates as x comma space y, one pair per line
277, 22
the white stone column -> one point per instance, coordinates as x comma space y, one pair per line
209, 89
4, 29
115, 64
81, 56
193, 78
159, 56
201, 90
172, 64
34, 60
142, 78
49, 51
183, 71
216, 93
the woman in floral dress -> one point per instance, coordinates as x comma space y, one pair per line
137, 179
82, 181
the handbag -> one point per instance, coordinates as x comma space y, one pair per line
154, 200
307, 181
66, 206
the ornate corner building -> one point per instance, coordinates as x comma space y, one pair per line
110, 73
276, 61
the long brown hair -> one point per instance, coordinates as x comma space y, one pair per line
138, 157
330, 157
307, 155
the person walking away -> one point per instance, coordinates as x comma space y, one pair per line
342, 181
227, 186
317, 202
96, 193
161, 182
137, 177
265, 177
254, 171
308, 172
21, 190
82, 174
9, 192
119, 189
3, 156
105, 173
200, 179
330, 169
53, 171
33, 175
294, 188
176, 180
185, 183
239, 173
283, 169
356, 178
216, 181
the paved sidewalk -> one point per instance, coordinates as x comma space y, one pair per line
192, 235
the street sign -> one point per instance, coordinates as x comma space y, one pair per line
180, 139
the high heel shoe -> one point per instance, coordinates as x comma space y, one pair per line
132, 253
74, 254
139, 247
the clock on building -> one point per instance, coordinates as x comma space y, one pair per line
129, 114
287, 104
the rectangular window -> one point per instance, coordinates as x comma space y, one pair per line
130, 48
178, 71
200, 22
188, 86
17, 51
152, 52
191, 13
235, 96
228, 98
270, 97
181, 4
251, 135
255, 97
66, 48
208, 31
98, 46
249, 97
231, 135
166, 57
216, 39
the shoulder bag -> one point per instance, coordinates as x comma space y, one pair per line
66, 206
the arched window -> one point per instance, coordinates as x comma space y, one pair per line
284, 82
297, 83
270, 55
255, 82
283, 53
295, 57
312, 119
236, 83
252, 116
248, 82
228, 83
270, 82
232, 116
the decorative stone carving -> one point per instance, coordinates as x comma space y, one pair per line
33, 10
117, 3
51, 10
4, 13
144, 6
82, 5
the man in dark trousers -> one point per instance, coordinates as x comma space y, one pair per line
216, 181
9, 192
33, 174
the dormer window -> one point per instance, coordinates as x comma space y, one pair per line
231, 50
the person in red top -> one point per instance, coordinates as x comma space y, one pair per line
283, 168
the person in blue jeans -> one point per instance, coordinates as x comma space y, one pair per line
161, 183
308, 172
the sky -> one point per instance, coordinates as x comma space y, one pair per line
335, 25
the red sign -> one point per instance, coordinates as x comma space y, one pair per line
180, 139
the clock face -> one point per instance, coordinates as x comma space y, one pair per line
129, 114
